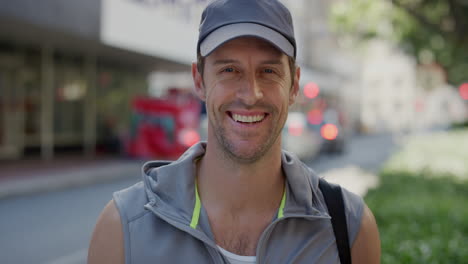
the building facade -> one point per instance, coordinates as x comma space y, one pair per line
66, 80
68, 69
398, 95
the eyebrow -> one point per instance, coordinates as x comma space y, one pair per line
225, 61
276, 62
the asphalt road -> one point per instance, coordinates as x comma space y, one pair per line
52, 227
55, 227
366, 152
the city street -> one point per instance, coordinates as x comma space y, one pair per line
55, 227
366, 152
376, 95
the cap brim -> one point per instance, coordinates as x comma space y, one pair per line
232, 31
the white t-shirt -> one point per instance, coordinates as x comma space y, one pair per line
237, 259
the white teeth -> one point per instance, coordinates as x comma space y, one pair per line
248, 119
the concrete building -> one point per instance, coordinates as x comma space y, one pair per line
69, 68
398, 95
439, 104
388, 90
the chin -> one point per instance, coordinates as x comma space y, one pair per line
246, 153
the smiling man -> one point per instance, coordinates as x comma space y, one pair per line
248, 88
237, 198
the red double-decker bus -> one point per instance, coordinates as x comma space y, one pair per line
163, 128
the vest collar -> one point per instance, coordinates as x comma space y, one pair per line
172, 190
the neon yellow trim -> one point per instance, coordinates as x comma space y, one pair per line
283, 201
196, 209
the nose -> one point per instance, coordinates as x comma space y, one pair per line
250, 92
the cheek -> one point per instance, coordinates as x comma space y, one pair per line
221, 90
286, 94
209, 90
215, 97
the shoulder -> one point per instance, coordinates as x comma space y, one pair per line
110, 235
107, 243
353, 206
130, 202
362, 229
354, 211
366, 248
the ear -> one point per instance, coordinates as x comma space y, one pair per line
295, 86
198, 83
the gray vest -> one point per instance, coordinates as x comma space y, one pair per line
163, 221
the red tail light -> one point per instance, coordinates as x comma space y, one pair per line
315, 117
311, 90
464, 91
329, 131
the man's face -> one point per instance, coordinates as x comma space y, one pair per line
248, 88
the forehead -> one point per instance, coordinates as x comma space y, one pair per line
250, 45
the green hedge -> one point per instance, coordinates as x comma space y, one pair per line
462, 125
421, 219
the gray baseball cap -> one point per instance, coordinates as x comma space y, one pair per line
224, 20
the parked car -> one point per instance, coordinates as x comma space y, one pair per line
333, 132
301, 138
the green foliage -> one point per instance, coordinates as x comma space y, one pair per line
421, 204
348, 18
462, 125
424, 28
421, 220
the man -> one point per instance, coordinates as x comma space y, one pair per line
238, 198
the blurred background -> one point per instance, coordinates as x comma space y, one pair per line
91, 89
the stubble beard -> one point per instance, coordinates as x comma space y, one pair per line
232, 152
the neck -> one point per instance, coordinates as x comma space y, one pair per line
228, 185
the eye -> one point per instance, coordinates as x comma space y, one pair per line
268, 71
229, 69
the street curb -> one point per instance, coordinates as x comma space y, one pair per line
66, 179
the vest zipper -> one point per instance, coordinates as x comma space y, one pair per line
212, 249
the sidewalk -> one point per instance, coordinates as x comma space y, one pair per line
353, 178
356, 170
24, 177
27, 177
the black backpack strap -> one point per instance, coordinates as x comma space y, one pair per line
334, 200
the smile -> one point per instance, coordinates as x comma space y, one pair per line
248, 118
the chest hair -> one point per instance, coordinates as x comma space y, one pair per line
243, 244
240, 237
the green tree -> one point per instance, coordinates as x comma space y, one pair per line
430, 30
